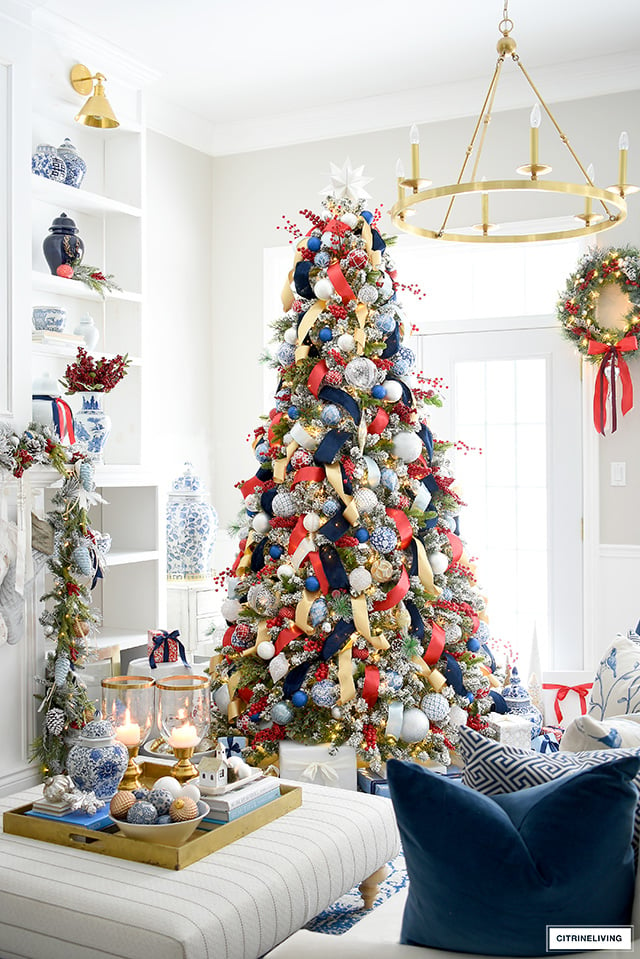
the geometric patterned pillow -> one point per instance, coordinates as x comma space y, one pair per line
492, 768
616, 688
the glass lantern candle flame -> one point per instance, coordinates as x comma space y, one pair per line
183, 718
128, 701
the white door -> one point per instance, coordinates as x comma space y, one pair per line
516, 394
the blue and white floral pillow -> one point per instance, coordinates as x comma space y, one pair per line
616, 688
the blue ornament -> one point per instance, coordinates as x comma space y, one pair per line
311, 584
254, 717
404, 361
367, 216
161, 799
385, 322
286, 355
318, 612
293, 412
325, 693
469, 697
446, 594
141, 793
389, 479
281, 713
164, 820
330, 415
143, 813
313, 244
262, 452
325, 335
384, 539
362, 535
473, 645
322, 259
275, 552
299, 698
378, 392
394, 680
330, 507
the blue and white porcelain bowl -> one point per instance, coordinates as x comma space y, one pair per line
50, 318
97, 761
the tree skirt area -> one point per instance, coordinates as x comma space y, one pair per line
346, 911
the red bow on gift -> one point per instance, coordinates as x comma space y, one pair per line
612, 357
563, 691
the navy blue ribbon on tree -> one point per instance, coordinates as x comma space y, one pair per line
430, 482
453, 675
161, 641
232, 747
331, 394
333, 569
331, 446
301, 279
334, 528
377, 241
499, 705
393, 343
426, 436
257, 556
264, 474
294, 680
267, 499
417, 623
487, 652
337, 638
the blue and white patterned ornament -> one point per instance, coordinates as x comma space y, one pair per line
318, 612
404, 361
286, 355
393, 680
86, 474
384, 321
435, 707
325, 693
281, 713
330, 507
82, 559
322, 259
262, 451
330, 415
143, 813
61, 670
384, 539
389, 479
283, 505
161, 799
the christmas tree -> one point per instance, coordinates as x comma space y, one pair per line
353, 616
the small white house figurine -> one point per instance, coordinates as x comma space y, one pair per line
214, 771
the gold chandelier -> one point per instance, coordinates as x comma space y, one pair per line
412, 191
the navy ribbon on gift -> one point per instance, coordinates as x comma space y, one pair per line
499, 704
232, 747
331, 394
161, 641
334, 528
337, 638
333, 569
393, 343
331, 446
417, 623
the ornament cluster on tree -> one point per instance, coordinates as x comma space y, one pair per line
352, 615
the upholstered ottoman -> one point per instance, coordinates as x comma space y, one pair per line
238, 903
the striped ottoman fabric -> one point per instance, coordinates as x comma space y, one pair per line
61, 903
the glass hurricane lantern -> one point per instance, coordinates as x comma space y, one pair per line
128, 701
183, 719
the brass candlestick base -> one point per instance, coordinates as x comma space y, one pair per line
184, 770
131, 778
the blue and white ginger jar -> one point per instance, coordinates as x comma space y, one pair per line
47, 163
519, 703
97, 761
76, 166
92, 425
191, 528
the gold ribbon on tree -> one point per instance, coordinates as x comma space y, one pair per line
333, 474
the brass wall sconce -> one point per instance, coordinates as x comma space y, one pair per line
97, 111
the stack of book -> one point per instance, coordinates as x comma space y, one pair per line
232, 805
68, 341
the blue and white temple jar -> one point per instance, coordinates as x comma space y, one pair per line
519, 703
92, 425
97, 761
191, 528
76, 166
46, 162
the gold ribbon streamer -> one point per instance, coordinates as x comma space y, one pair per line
333, 474
361, 618
433, 676
302, 353
280, 466
236, 705
425, 573
345, 676
309, 319
287, 295
359, 335
367, 236
302, 612
245, 562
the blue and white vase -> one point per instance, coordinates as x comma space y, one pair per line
47, 163
519, 703
76, 166
191, 528
92, 425
97, 761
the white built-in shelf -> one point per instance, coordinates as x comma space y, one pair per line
48, 283
70, 350
124, 557
124, 638
71, 198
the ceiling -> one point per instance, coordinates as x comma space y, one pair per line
245, 74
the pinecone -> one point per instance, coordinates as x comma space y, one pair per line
55, 721
62, 668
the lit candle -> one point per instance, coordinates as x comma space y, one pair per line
400, 176
623, 147
414, 140
534, 121
128, 733
182, 737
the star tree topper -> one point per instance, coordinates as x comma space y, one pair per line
347, 183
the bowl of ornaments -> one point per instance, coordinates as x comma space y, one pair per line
168, 813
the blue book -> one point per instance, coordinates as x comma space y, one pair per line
99, 820
222, 816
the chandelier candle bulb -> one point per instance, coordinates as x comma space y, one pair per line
534, 121
623, 147
414, 139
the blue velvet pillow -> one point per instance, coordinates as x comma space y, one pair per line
489, 873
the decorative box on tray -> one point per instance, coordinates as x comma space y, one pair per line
511, 729
565, 696
324, 764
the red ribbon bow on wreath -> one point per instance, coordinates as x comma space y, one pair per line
612, 357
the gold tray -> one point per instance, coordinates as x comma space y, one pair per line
207, 838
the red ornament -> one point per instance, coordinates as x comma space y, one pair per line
358, 258
333, 377
65, 270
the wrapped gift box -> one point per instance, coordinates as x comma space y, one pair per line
565, 695
165, 647
370, 782
511, 729
325, 765
233, 745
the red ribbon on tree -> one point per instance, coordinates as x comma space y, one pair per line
405, 530
371, 685
318, 569
612, 357
308, 474
396, 594
340, 283
433, 652
316, 377
285, 636
379, 422
456, 545
563, 691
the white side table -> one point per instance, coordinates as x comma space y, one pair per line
192, 608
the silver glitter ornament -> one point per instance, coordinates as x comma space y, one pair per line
262, 600
368, 294
361, 373
283, 505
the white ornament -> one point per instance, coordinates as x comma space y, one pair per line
359, 579
170, 783
346, 343
312, 522
291, 336
285, 572
261, 523
407, 445
373, 472
221, 698
323, 289
230, 609
252, 503
304, 439
365, 499
350, 219
392, 390
439, 562
457, 716
336, 713
190, 791
243, 771
234, 761
415, 725
278, 667
266, 650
